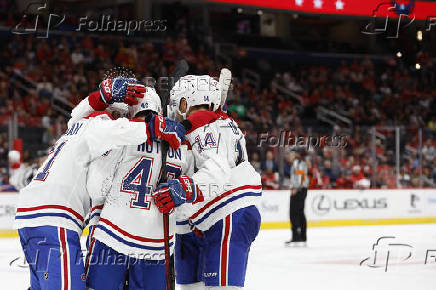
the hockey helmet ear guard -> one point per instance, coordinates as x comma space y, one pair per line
178, 91
150, 102
173, 106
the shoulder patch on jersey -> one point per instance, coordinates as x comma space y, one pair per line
201, 118
99, 113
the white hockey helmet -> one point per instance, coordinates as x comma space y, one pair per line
197, 90
177, 92
121, 108
150, 102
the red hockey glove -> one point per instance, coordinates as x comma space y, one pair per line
121, 90
175, 192
168, 130
134, 91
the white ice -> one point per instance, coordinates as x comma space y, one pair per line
330, 261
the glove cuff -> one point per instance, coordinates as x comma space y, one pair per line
96, 102
159, 126
192, 191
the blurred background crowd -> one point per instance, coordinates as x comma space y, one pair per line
384, 105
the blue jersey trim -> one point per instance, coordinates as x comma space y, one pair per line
94, 215
182, 223
130, 244
37, 215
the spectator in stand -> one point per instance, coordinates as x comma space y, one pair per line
365, 182
434, 170
255, 162
287, 169
327, 170
432, 124
325, 182
44, 87
77, 56
415, 160
318, 180
344, 181
391, 181
405, 180
428, 151
68, 66
270, 180
356, 175
269, 162
427, 178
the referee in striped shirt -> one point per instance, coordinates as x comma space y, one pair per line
299, 183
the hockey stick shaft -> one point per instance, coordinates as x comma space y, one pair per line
169, 273
180, 70
225, 81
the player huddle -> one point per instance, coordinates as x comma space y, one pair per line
104, 172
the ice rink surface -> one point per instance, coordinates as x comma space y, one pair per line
337, 258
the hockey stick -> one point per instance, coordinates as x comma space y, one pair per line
225, 81
179, 71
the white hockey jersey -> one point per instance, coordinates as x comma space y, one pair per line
184, 211
129, 222
226, 178
57, 195
99, 181
22, 176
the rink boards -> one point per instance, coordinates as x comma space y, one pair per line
352, 207
323, 208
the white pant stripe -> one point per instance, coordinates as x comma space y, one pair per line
65, 259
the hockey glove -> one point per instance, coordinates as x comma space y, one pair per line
134, 91
120, 90
175, 192
168, 130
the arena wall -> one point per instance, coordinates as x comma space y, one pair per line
323, 208
352, 207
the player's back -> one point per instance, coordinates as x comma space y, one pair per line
99, 181
224, 175
58, 189
129, 222
218, 145
57, 195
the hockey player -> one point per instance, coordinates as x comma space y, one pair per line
52, 208
129, 232
227, 222
22, 173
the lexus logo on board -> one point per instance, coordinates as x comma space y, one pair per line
323, 204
